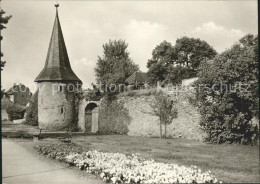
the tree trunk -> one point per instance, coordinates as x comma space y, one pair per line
165, 130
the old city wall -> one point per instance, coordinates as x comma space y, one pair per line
133, 115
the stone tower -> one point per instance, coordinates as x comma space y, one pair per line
57, 84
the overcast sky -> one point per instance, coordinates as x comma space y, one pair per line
86, 25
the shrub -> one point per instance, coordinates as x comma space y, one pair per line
177, 73
92, 95
15, 111
226, 101
138, 93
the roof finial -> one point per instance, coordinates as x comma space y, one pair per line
56, 5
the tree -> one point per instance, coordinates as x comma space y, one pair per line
163, 53
192, 51
230, 100
165, 109
3, 20
163, 56
115, 65
157, 72
174, 63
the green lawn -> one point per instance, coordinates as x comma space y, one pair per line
229, 163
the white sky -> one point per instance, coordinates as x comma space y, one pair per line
86, 25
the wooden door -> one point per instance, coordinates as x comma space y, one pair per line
88, 120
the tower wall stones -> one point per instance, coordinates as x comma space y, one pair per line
56, 106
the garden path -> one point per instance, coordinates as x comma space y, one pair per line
22, 166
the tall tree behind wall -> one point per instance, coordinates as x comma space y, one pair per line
115, 65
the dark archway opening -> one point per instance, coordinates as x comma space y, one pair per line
88, 116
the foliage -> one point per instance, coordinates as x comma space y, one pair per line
32, 111
227, 92
15, 111
163, 56
115, 65
174, 63
3, 20
157, 72
177, 73
138, 93
78, 96
93, 94
58, 151
165, 108
192, 51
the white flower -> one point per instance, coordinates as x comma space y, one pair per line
120, 168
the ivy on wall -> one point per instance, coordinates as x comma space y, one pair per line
113, 117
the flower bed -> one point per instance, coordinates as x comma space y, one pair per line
120, 168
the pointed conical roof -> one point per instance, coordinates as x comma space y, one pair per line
57, 65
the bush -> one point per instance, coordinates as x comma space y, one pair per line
15, 111
140, 92
227, 92
92, 95
32, 111
177, 73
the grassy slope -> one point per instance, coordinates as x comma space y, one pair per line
229, 163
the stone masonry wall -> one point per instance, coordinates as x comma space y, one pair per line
56, 111
144, 123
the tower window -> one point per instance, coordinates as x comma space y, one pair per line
60, 89
62, 110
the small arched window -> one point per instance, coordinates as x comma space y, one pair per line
61, 110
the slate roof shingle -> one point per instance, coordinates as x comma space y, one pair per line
57, 65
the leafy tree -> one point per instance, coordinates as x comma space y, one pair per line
192, 51
227, 92
157, 72
163, 56
163, 53
165, 109
174, 63
3, 20
115, 65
